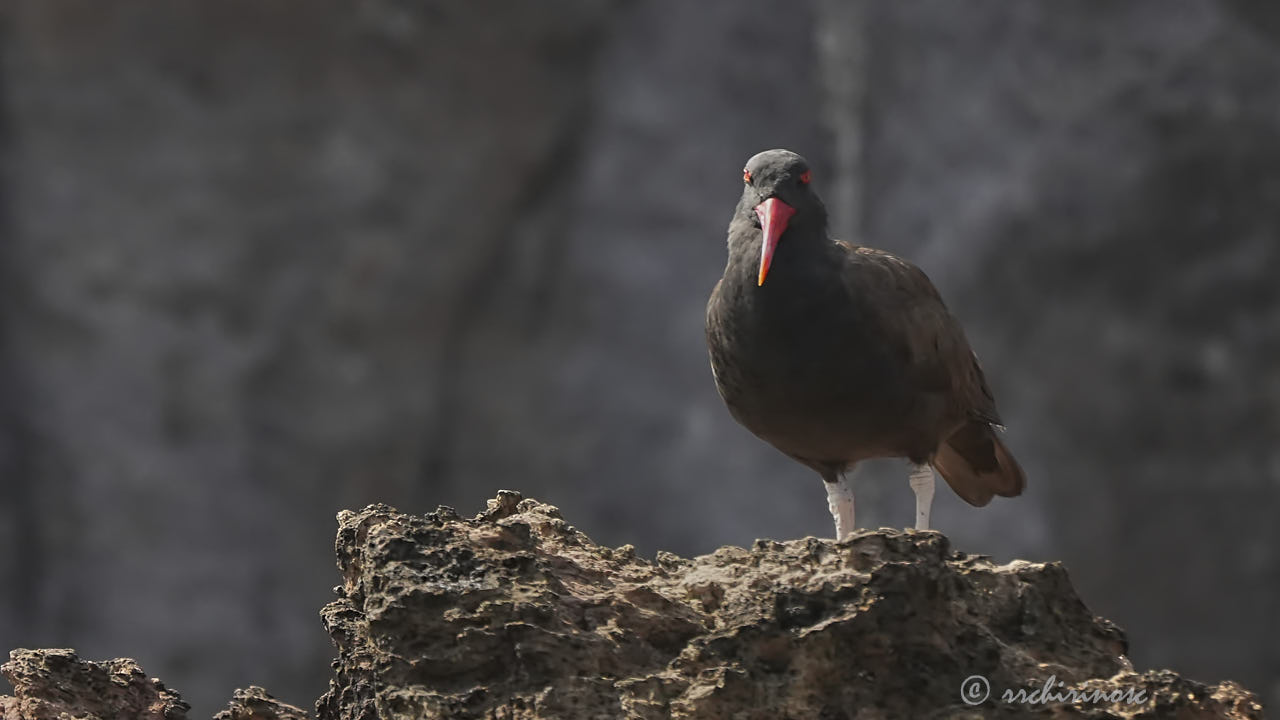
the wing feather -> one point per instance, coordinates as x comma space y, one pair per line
928, 338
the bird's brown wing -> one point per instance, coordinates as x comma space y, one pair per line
937, 359
929, 340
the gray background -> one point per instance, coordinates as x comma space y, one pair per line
263, 261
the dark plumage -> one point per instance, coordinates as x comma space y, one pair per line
835, 353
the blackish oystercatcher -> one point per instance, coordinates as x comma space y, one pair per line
835, 353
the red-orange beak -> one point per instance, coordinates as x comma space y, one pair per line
773, 214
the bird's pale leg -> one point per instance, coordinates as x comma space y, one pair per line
921, 480
840, 501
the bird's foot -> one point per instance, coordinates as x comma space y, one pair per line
840, 501
921, 480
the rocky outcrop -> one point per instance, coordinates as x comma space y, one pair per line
254, 703
58, 684
516, 615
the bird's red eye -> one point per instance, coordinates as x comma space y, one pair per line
806, 177
746, 175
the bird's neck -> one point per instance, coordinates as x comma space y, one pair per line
804, 248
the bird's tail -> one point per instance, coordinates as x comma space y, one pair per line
977, 465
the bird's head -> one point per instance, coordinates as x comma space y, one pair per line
777, 194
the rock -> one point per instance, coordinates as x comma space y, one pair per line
515, 614
57, 684
254, 703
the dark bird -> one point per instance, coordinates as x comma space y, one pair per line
835, 353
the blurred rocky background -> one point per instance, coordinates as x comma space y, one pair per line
263, 261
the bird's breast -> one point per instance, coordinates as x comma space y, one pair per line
776, 349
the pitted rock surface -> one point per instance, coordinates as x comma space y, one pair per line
515, 614
49, 684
